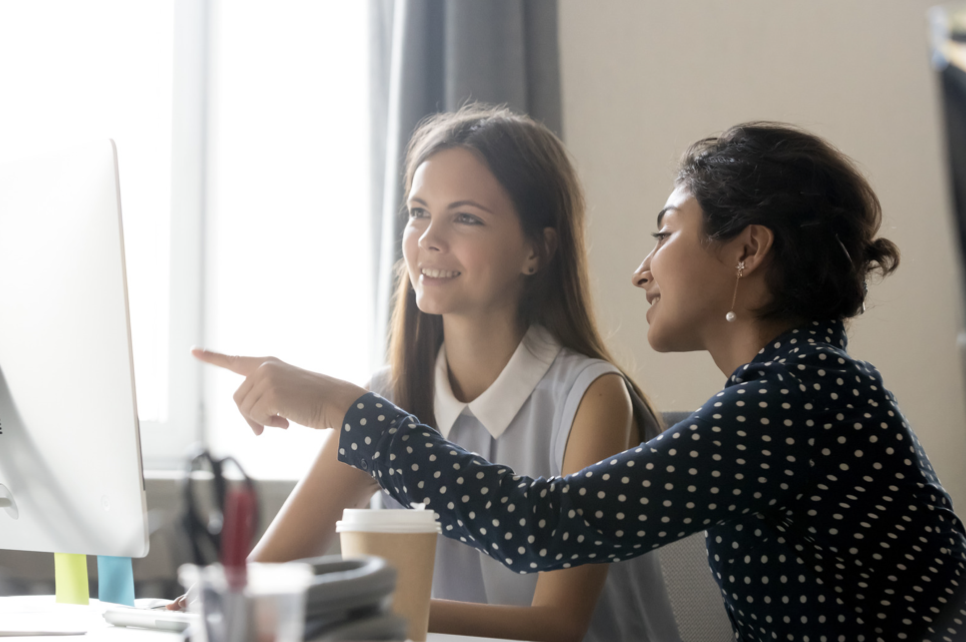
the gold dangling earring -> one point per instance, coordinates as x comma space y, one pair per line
731, 314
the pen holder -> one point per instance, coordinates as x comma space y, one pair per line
268, 607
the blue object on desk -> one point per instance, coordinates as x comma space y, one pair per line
115, 580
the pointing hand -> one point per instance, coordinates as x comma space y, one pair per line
275, 393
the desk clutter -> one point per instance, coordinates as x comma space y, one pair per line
351, 600
316, 600
231, 600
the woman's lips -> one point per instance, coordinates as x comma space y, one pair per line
437, 275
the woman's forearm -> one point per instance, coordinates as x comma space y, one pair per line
305, 525
537, 623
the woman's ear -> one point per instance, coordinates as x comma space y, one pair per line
753, 247
540, 255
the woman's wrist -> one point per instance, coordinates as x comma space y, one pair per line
339, 398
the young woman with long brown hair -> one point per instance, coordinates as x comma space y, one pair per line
494, 345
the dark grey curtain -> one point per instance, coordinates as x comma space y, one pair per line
435, 55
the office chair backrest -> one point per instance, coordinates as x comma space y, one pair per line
695, 596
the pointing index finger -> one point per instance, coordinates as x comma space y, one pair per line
239, 365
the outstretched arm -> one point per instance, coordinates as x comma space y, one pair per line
703, 471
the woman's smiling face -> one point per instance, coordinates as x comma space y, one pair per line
688, 285
464, 247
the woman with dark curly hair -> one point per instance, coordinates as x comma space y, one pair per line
824, 518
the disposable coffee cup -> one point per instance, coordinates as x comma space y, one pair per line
407, 540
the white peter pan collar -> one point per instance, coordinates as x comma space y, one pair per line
501, 402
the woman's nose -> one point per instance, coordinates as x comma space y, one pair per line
642, 274
432, 238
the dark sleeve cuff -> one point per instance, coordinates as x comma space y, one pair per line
368, 421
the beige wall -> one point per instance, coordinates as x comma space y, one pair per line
642, 79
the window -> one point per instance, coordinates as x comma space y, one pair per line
77, 72
244, 187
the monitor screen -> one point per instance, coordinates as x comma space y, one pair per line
70, 458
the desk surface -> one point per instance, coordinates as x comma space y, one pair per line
15, 614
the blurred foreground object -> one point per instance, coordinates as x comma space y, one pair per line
947, 25
948, 39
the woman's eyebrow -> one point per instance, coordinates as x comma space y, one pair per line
457, 204
660, 215
470, 203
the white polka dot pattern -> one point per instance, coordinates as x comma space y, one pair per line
824, 518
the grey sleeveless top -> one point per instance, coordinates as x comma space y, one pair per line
523, 420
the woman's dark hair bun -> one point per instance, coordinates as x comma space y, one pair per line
884, 254
822, 211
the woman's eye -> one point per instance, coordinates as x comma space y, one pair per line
660, 236
468, 219
417, 212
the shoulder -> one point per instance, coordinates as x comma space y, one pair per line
582, 377
602, 424
572, 370
577, 375
801, 382
821, 371
571, 376
607, 395
571, 379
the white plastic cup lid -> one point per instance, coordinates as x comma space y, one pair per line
388, 520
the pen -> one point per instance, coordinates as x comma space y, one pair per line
237, 534
236, 541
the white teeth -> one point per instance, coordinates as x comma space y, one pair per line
439, 274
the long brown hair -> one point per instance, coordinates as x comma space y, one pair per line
531, 164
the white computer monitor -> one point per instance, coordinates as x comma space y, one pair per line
70, 454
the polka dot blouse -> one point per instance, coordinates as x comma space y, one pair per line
824, 519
